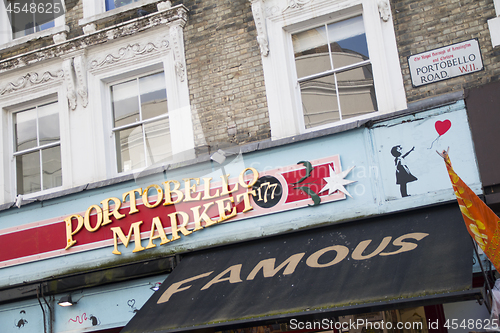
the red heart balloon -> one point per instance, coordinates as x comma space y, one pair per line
442, 126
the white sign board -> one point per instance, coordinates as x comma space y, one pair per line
445, 63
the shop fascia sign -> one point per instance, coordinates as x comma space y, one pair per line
166, 212
445, 63
203, 203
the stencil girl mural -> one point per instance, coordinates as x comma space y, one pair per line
403, 174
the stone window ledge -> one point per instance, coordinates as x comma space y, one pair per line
173, 14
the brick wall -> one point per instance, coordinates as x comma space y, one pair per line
428, 24
225, 76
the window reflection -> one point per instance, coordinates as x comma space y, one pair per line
141, 123
334, 72
37, 149
112, 4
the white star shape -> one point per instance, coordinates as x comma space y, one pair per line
336, 182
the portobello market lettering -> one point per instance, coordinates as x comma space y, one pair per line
224, 200
205, 201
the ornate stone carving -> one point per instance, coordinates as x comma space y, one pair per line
129, 51
176, 36
81, 78
30, 79
384, 10
69, 78
260, 24
296, 4
176, 15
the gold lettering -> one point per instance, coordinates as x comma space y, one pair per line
223, 208
188, 189
135, 229
114, 212
69, 229
254, 179
98, 216
174, 287
206, 192
176, 228
357, 254
168, 192
145, 196
246, 199
405, 246
204, 216
131, 195
268, 269
234, 276
341, 250
156, 225
225, 186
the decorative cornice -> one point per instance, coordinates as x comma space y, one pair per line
29, 80
176, 14
127, 52
294, 4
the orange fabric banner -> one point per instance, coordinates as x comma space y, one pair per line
481, 222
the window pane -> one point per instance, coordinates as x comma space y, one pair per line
348, 41
130, 149
26, 28
25, 130
158, 143
125, 103
357, 93
48, 123
46, 25
311, 52
153, 95
51, 167
110, 4
28, 173
319, 101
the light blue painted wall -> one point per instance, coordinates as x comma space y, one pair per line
96, 308
374, 192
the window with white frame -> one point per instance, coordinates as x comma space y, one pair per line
140, 121
329, 62
28, 18
37, 148
334, 72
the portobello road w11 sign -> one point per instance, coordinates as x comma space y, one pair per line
163, 213
445, 63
